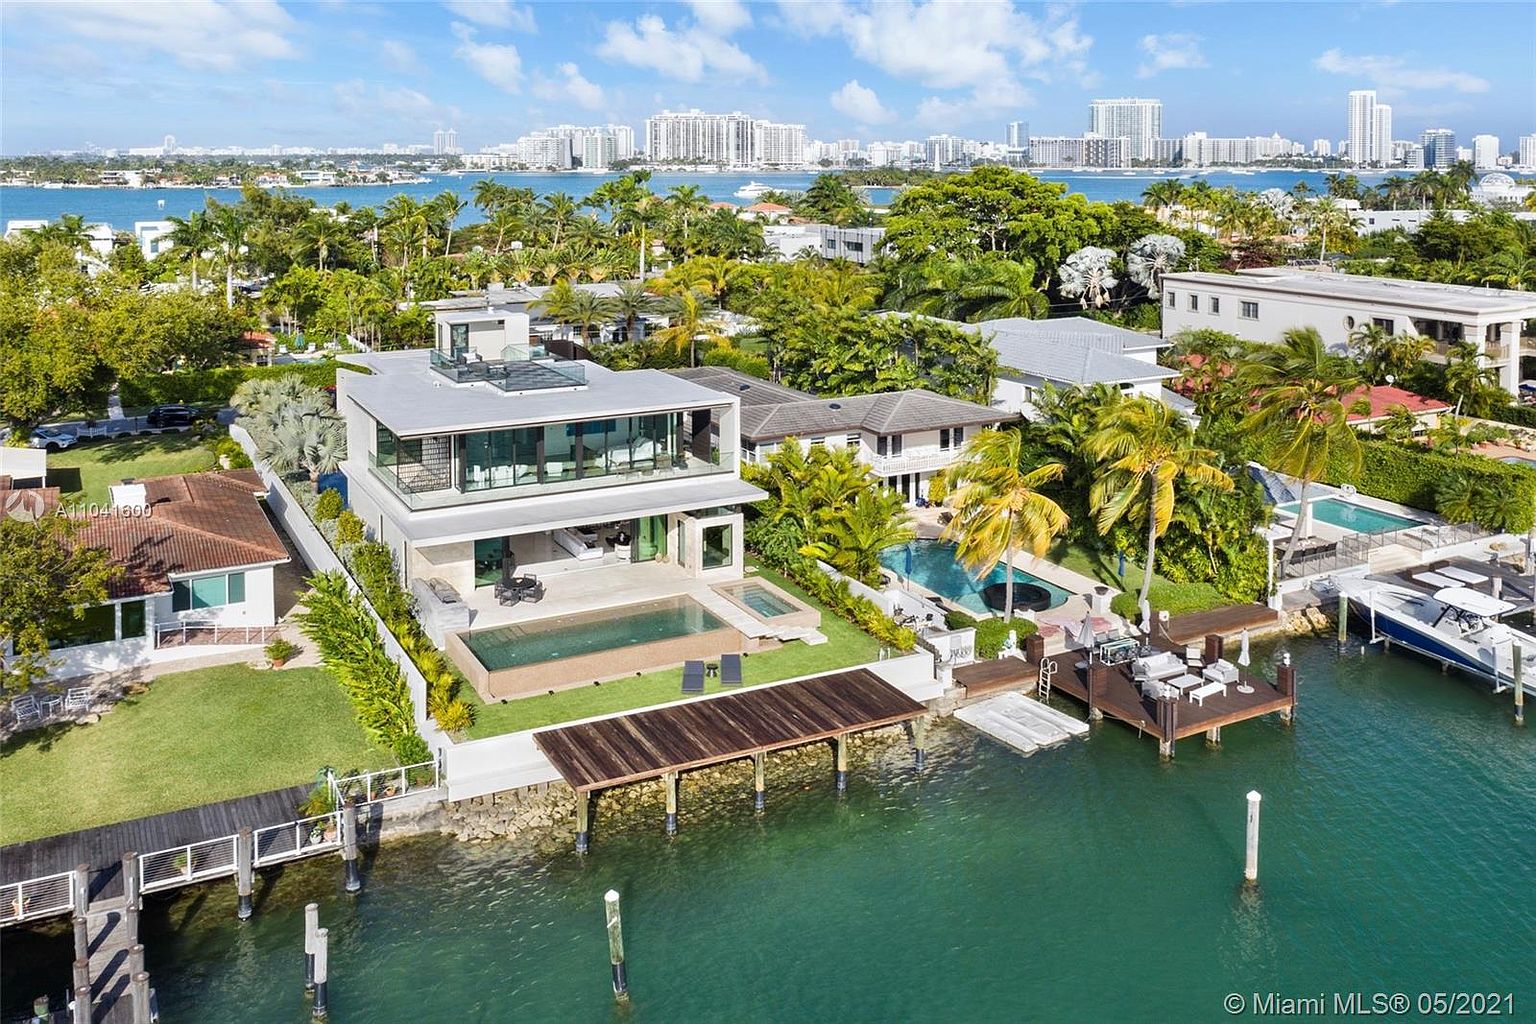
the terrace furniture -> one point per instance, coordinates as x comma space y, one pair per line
730, 670
1434, 579
1163, 665
693, 677
1157, 690
1194, 657
513, 589
1183, 683
1223, 672
1466, 576
577, 545
1199, 693
25, 709
77, 699
51, 705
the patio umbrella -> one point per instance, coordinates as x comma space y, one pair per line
1085, 634
1242, 656
1146, 616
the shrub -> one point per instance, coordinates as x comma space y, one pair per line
329, 505
349, 528
411, 749
374, 566
337, 622
747, 362
280, 650
991, 633
455, 717
228, 452
1411, 475
215, 387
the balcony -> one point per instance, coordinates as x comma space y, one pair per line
512, 375
917, 462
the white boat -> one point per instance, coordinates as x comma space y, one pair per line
1456, 626
753, 189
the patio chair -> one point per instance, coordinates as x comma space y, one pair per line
77, 699
730, 670
1222, 671
1194, 657
26, 710
506, 593
693, 677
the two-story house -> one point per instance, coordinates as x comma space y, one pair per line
489, 453
906, 437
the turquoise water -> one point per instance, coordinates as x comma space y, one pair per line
1515, 460
566, 636
932, 563
1349, 516
121, 207
762, 600
1086, 883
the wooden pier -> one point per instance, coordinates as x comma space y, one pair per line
996, 676
1228, 621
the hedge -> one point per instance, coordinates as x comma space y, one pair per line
1519, 415
991, 634
215, 387
1410, 476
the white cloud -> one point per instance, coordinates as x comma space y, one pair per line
721, 17
570, 85
374, 103
689, 51
861, 104
1171, 51
1401, 73
497, 63
398, 56
205, 35
493, 13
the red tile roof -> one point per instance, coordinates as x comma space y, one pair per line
767, 208
1385, 397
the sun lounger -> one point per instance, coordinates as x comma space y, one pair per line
730, 670
1436, 580
1466, 576
1198, 695
693, 677
1223, 672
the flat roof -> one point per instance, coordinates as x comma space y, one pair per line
1459, 299
694, 734
410, 398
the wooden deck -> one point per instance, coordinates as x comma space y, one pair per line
648, 744
1191, 628
995, 676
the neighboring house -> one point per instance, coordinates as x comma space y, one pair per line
769, 213
1263, 304
497, 301
23, 467
858, 245
1385, 399
906, 437
197, 552
488, 453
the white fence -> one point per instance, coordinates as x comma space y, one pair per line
181, 865
277, 843
36, 897
387, 783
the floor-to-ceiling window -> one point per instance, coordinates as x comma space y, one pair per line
489, 555
650, 538
717, 545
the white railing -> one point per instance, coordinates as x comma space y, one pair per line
211, 858
219, 632
889, 465
388, 783
277, 843
36, 897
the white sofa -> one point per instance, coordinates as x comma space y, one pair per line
577, 546
1162, 665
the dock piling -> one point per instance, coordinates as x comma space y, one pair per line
1251, 860
841, 757
81, 972
349, 845
1213, 736
131, 924
81, 1005
616, 944
583, 822
245, 870
131, 881
759, 779
82, 937
1285, 682
1519, 675
82, 888
1343, 620
669, 780
919, 741
311, 927
138, 989
322, 973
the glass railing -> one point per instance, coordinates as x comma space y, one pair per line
673, 467
533, 374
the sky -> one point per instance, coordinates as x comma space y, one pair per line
364, 72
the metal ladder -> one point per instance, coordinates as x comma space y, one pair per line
1047, 676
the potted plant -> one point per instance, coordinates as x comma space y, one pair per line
280, 651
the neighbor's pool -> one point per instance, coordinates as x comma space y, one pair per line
1515, 460
1348, 516
568, 636
932, 563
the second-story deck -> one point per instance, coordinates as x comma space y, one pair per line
536, 373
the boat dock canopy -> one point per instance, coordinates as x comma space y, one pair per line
1473, 602
694, 734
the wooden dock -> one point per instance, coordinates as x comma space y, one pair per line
995, 676
1021, 723
1228, 621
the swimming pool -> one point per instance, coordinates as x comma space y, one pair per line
587, 633
1346, 515
762, 600
932, 564
1515, 460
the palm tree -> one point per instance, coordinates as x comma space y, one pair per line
852, 538
997, 288
690, 319
1383, 354
228, 226
447, 207
1510, 268
686, 204
1326, 214
556, 210
70, 229
629, 308
1466, 375
504, 221
998, 505
191, 237
1087, 276
312, 444
1145, 449
1162, 196
317, 234
1300, 393
1152, 256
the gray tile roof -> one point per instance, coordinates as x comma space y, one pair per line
770, 412
1459, 299
1072, 329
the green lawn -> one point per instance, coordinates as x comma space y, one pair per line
84, 472
192, 738
1165, 595
846, 645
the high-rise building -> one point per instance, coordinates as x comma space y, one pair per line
693, 136
1322, 147
944, 150
1439, 147
1087, 151
1137, 120
445, 142
1362, 125
778, 145
1485, 151
1528, 151
1381, 134
1017, 135
170, 145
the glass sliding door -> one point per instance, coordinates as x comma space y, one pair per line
489, 556
650, 538
717, 546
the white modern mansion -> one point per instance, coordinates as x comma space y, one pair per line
487, 454
1263, 304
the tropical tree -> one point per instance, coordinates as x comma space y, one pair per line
1145, 449
690, 319
1152, 256
1087, 275
1161, 197
1301, 398
995, 288
999, 509
1469, 380
852, 538
228, 226
1383, 354
447, 207
190, 238
629, 307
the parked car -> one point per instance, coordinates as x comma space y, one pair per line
52, 438
172, 416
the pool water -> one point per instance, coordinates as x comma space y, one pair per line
1515, 460
567, 636
1346, 515
932, 563
762, 600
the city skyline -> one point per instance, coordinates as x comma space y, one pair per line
121, 76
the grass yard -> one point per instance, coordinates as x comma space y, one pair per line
192, 738
1165, 595
846, 645
84, 472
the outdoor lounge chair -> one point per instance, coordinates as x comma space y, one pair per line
730, 670
77, 699
1223, 672
26, 710
693, 677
